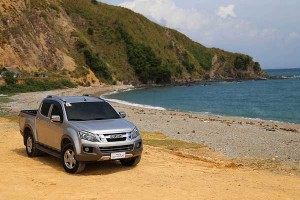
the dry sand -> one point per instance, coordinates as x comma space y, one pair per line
160, 175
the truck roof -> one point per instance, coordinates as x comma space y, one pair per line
75, 99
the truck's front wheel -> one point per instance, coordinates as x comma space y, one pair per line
71, 165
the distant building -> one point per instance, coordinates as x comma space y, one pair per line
15, 71
40, 75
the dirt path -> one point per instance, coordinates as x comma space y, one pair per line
160, 175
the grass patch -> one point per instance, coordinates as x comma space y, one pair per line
33, 85
11, 117
2, 112
5, 100
160, 140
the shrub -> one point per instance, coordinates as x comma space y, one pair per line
179, 70
256, 67
97, 65
90, 31
147, 66
53, 7
43, 15
33, 85
80, 44
94, 2
204, 56
9, 78
163, 75
242, 62
185, 61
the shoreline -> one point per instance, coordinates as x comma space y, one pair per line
235, 137
118, 101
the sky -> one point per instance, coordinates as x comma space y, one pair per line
267, 30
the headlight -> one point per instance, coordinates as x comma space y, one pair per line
84, 135
134, 133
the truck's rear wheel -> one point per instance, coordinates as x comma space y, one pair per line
31, 150
129, 162
71, 165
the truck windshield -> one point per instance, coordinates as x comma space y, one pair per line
85, 111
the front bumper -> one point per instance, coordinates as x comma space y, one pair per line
136, 149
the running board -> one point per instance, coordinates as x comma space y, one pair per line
48, 151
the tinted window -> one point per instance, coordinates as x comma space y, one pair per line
45, 109
85, 111
56, 110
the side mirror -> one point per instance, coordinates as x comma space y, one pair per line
55, 118
122, 114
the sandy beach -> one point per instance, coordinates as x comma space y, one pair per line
240, 159
235, 137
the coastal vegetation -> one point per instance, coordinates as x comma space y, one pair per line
147, 66
34, 85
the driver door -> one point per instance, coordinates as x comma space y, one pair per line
56, 129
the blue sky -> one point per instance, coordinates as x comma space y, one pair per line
268, 30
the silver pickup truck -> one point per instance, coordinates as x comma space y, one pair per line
79, 130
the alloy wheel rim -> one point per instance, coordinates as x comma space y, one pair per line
69, 159
29, 144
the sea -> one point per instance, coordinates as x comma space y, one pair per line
275, 100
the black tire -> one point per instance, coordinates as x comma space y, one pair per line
71, 165
31, 150
130, 162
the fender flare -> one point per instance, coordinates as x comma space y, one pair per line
27, 126
73, 137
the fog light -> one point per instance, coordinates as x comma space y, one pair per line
88, 149
138, 145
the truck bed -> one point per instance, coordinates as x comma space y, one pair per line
27, 117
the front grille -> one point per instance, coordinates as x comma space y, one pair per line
116, 140
115, 137
114, 149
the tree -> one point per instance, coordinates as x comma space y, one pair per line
256, 67
9, 78
94, 2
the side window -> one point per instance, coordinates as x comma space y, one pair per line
45, 109
57, 110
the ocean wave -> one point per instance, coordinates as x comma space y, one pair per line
295, 76
116, 92
290, 77
134, 104
229, 82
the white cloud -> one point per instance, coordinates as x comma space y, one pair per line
167, 13
207, 28
226, 11
294, 36
210, 29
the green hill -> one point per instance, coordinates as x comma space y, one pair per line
82, 38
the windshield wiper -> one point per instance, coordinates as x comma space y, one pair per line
77, 120
98, 119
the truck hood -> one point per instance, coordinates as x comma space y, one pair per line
104, 126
